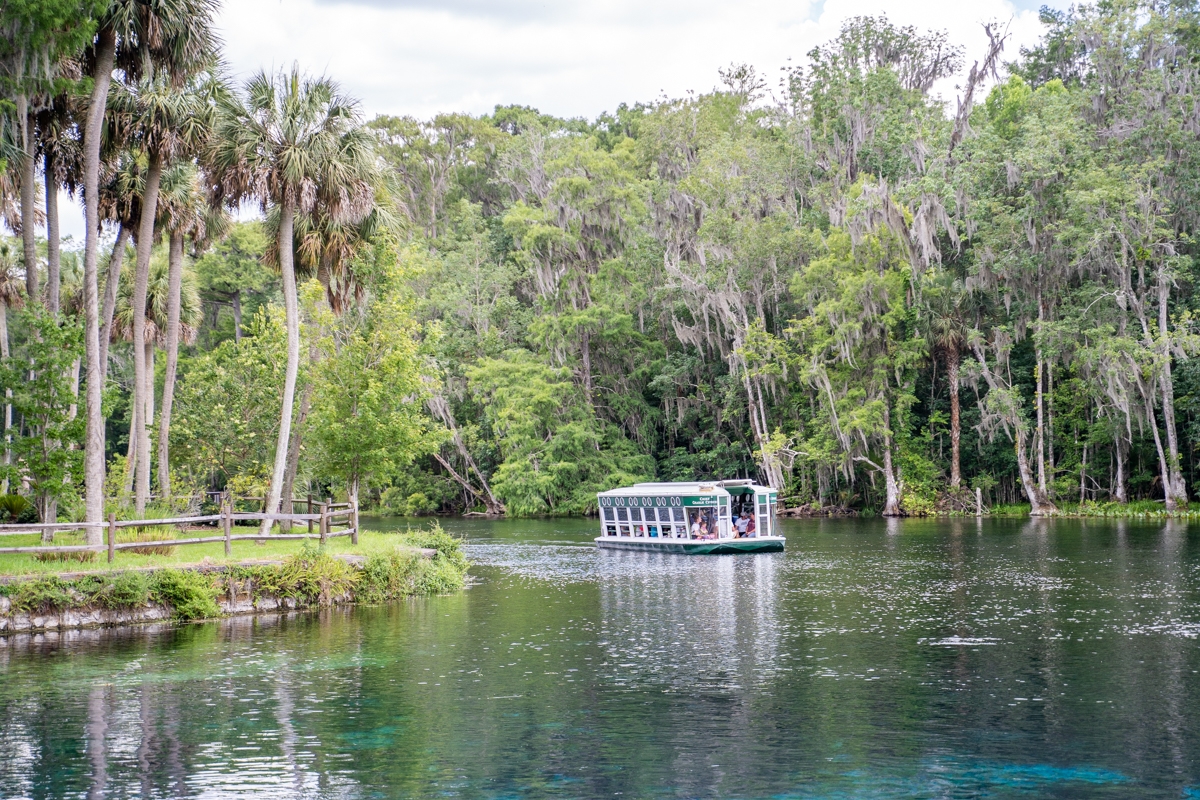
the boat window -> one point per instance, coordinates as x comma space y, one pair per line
623, 514
679, 517
774, 505
608, 514
610, 530
664, 515
626, 531
635, 514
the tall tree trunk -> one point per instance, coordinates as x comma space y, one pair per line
291, 307
1040, 376
145, 241
53, 259
112, 282
174, 282
131, 453
148, 394
106, 46
1118, 490
1039, 503
293, 464
585, 350
1164, 467
1178, 486
73, 409
7, 395
236, 302
1050, 427
1083, 475
891, 506
440, 408
28, 200
952, 364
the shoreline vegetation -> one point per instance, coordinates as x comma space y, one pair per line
869, 295
384, 568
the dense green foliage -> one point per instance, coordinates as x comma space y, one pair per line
849, 289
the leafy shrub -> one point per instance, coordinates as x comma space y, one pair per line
123, 590
16, 509
41, 596
403, 571
82, 556
156, 533
192, 595
448, 547
314, 576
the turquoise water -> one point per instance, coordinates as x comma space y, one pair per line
915, 659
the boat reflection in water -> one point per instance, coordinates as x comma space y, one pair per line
694, 623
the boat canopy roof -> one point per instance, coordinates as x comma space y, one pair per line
718, 488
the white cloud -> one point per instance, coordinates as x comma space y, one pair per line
421, 57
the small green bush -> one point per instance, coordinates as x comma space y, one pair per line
41, 596
449, 548
403, 572
191, 595
16, 509
124, 590
314, 576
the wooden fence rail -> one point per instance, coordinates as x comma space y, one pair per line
345, 515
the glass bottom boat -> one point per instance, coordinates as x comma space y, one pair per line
695, 518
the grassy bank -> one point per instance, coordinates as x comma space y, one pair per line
152, 556
307, 576
1138, 509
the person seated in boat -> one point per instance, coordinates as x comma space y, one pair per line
742, 522
696, 526
750, 529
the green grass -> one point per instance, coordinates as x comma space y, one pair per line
305, 573
214, 552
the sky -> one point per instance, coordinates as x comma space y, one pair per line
422, 57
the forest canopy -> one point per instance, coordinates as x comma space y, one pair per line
845, 286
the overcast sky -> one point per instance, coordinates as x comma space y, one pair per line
421, 57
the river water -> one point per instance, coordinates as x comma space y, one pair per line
914, 659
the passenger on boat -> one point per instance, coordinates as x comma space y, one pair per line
750, 529
743, 525
696, 526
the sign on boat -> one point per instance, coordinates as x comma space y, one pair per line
736, 516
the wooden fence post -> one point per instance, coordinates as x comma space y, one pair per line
112, 536
354, 518
310, 511
323, 527
227, 523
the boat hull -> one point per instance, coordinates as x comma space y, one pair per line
694, 547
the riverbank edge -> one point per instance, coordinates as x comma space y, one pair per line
245, 588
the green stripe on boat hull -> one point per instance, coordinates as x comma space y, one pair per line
766, 544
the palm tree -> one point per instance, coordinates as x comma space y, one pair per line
60, 167
10, 297
946, 305
120, 202
323, 248
135, 36
156, 313
184, 210
295, 144
166, 122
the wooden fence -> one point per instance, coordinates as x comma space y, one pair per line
329, 515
